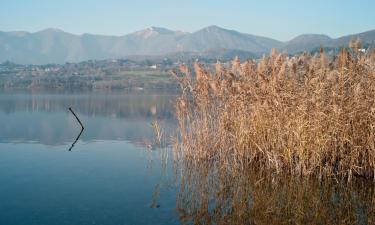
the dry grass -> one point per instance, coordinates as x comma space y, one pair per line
158, 133
303, 116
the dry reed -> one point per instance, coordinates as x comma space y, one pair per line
303, 115
158, 133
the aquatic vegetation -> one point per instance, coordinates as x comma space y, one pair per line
158, 133
307, 115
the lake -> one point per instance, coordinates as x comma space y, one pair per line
114, 174
109, 177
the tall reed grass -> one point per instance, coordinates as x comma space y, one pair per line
307, 115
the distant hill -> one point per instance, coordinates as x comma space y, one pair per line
367, 38
306, 42
214, 37
57, 46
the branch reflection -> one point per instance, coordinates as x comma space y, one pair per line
79, 135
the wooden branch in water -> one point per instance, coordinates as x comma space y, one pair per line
79, 121
82, 128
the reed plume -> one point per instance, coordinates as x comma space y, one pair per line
306, 115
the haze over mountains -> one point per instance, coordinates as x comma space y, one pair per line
57, 46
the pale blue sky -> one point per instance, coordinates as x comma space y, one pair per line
279, 19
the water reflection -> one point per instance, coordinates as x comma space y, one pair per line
213, 195
75, 141
44, 118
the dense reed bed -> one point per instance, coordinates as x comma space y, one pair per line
307, 115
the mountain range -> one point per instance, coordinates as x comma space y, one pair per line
56, 46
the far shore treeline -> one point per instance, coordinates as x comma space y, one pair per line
133, 73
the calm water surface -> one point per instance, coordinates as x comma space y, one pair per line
113, 175
109, 177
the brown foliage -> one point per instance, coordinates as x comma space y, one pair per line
304, 115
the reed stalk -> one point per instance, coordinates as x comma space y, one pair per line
306, 115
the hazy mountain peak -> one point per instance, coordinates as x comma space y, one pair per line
214, 28
153, 31
161, 30
51, 30
305, 42
306, 37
